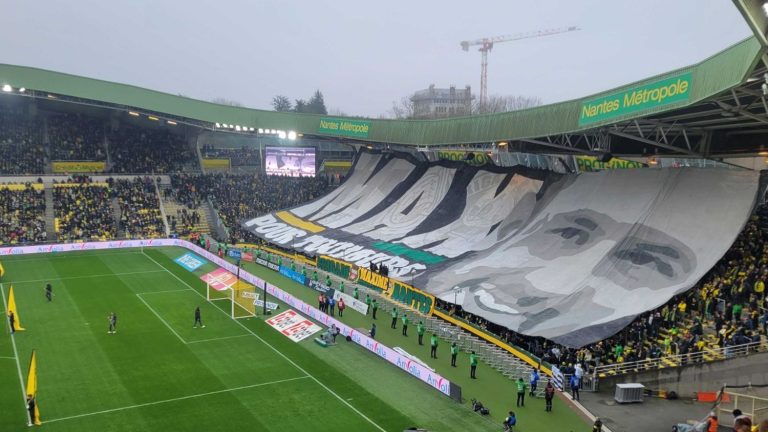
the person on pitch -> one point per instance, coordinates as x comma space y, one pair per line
198, 319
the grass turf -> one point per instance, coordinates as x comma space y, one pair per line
158, 373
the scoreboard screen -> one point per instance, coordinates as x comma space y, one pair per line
290, 161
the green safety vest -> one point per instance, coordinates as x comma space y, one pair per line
341, 286
375, 305
394, 313
356, 294
433, 340
473, 362
454, 349
520, 386
405, 320
420, 329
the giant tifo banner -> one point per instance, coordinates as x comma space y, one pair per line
416, 370
573, 258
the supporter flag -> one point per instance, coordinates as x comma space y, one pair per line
12, 308
2, 270
32, 385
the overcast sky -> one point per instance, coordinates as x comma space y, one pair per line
363, 55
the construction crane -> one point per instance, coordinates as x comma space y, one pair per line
486, 44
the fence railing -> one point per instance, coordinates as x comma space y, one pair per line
753, 406
680, 360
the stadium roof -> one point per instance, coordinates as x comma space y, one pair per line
693, 110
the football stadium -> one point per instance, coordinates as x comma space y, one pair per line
598, 264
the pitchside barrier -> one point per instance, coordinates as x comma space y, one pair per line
416, 370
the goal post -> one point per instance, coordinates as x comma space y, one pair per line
243, 296
223, 285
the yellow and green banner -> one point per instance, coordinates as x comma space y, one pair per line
411, 297
78, 166
640, 98
343, 127
21, 186
479, 158
332, 265
216, 163
372, 280
591, 163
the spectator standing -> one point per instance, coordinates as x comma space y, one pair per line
549, 394
534, 381
520, 383
472, 365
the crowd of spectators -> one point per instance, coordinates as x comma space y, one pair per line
244, 156
727, 307
156, 151
237, 197
83, 210
184, 222
21, 144
22, 214
140, 215
76, 138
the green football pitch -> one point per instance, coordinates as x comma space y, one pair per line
159, 373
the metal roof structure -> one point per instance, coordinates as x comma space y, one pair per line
716, 106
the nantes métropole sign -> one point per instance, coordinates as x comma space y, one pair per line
350, 128
652, 95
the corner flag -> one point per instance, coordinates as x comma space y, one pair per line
32, 386
12, 308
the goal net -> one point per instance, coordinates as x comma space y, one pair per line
240, 294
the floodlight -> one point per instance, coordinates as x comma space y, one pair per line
765, 8
22, 90
292, 135
7, 88
251, 129
218, 125
133, 113
281, 134
237, 128
171, 122
273, 132
261, 131
153, 118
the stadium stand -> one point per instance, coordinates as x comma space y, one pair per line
140, 215
244, 156
21, 144
135, 150
22, 208
83, 210
76, 138
237, 197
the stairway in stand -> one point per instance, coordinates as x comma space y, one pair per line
49, 215
173, 208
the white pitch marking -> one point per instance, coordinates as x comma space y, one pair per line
161, 319
16, 356
174, 399
83, 277
273, 349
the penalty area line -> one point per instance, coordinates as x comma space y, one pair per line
215, 339
174, 399
277, 351
83, 277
